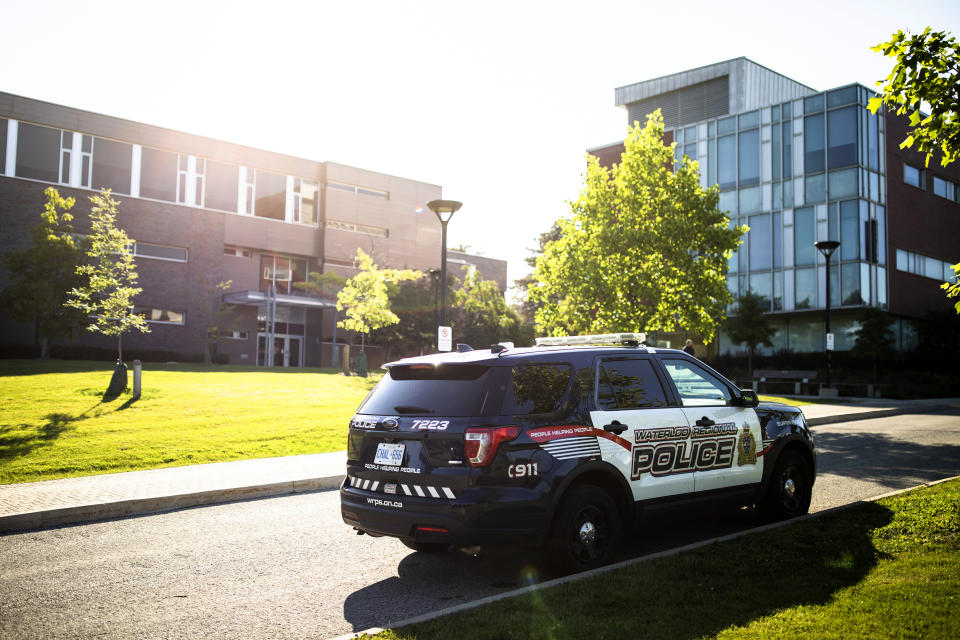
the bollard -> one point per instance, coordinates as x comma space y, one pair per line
137, 367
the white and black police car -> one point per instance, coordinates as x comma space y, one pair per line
563, 446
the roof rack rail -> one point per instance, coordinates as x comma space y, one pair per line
631, 339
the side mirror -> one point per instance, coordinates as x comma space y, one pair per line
748, 398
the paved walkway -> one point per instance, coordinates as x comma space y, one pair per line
50, 503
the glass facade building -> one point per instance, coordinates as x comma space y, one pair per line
797, 165
796, 172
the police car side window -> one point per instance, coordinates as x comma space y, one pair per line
697, 388
535, 388
629, 384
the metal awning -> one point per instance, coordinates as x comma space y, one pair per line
257, 298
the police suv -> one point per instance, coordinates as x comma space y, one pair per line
563, 445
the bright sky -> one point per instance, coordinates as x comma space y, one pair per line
497, 102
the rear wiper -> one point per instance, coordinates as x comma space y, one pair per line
408, 408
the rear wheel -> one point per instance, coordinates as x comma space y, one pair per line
586, 531
790, 488
426, 547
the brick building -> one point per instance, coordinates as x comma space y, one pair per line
206, 211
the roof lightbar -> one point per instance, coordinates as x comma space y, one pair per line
599, 339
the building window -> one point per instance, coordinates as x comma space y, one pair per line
749, 161
813, 143
112, 162
161, 316
221, 186
843, 183
842, 137
849, 230
850, 281
913, 176
159, 252
158, 174
376, 193
234, 335
925, 266
357, 228
271, 195
727, 162
805, 288
804, 235
944, 188
305, 201
250, 190
38, 152
815, 189
282, 272
4, 123
787, 148
236, 251
760, 245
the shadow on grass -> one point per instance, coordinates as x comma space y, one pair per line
22, 439
698, 593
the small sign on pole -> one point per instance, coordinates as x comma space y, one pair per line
829, 342
444, 339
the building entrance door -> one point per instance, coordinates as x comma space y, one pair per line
286, 350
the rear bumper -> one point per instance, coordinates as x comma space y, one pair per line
492, 516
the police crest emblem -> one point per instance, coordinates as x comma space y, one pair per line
746, 447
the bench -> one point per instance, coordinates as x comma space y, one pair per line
798, 377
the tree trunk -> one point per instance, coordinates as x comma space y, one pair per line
119, 347
44, 348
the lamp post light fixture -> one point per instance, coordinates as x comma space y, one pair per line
444, 209
827, 247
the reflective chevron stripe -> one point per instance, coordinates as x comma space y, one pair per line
568, 448
420, 491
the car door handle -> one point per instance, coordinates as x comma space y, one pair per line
705, 422
616, 427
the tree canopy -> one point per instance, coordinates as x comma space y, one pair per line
643, 248
926, 72
110, 277
41, 275
365, 296
751, 325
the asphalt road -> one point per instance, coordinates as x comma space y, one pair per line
288, 568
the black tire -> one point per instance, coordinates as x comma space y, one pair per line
790, 488
426, 547
585, 533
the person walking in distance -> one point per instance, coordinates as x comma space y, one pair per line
688, 348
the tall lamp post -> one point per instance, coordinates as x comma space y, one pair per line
444, 210
827, 247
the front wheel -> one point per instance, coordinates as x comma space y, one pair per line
586, 531
790, 488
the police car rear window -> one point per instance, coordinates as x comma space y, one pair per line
444, 390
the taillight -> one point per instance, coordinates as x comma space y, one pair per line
481, 444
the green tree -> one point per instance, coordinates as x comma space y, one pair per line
953, 288
365, 297
481, 316
414, 302
874, 337
528, 307
110, 277
926, 73
216, 315
644, 248
751, 324
43, 273
322, 285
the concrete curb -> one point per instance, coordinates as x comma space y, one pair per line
80, 514
877, 413
620, 565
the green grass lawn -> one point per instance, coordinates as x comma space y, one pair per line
54, 422
889, 569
